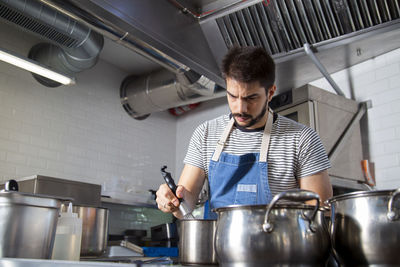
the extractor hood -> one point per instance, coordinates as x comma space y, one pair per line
197, 33
193, 36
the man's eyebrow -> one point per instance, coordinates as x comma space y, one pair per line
229, 93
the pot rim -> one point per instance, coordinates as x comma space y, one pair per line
29, 199
358, 194
265, 207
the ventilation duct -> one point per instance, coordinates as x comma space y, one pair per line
161, 90
74, 47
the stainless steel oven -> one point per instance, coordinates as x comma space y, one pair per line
329, 115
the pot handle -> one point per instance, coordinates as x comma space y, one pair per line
294, 195
392, 215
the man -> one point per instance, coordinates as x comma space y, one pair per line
252, 154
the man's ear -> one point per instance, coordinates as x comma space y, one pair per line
271, 92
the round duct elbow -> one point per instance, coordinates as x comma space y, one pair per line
66, 61
157, 91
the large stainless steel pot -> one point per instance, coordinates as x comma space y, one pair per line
365, 228
273, 235
196, 241
94, 229
27, 225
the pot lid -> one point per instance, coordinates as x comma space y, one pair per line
13, 197
358, 194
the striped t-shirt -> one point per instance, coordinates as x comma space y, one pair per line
295, 150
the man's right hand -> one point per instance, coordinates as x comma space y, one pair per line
166, 200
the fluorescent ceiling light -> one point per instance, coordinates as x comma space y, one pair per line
35, 67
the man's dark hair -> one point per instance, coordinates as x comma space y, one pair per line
249, 64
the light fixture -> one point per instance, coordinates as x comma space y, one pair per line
35, 67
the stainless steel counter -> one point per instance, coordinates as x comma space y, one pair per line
12, 262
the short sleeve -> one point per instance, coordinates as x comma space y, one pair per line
194, 155
312, 155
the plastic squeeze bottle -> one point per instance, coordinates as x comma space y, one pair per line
67, 244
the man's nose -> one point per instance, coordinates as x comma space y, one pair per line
242, 106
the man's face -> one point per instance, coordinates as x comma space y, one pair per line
248, 102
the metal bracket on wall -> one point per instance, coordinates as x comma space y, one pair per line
349, 129
309, 51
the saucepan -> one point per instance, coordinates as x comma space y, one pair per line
278, 234
196, 242
94, 229
27, 224
365, 228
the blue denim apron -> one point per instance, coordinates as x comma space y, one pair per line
238, 180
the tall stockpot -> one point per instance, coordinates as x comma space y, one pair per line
94, 229
286, 234
196, 242
27, 225
365, 228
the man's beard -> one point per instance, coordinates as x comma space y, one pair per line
253, 120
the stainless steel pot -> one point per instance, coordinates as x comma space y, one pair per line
365, 228
273, 235
94, 229
27, 225
196, 241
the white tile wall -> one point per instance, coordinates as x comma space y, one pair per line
80, 132
377, 79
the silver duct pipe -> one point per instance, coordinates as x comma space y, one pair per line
162, 90
74, 47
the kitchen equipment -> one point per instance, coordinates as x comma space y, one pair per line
164, 232
94, 229
84, 194
330, 116
183, 207
196, 241
27, 225
274, 234
67, 244
365, 228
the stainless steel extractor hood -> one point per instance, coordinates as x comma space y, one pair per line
198, 33
194, 35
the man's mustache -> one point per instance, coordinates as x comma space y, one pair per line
242, 115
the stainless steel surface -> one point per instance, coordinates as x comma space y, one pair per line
74, 46
200, 45
196, 242
355, 121
365, 228
163, 232
322, 69
185, 210
161, 90
94, 229
82, 193
329, 115
12, 262
27, 225
294, 240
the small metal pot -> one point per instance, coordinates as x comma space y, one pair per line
196, 242
273, 235
27, 225
365, 228
94, 229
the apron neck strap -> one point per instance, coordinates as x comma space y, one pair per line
266, 137
264, 144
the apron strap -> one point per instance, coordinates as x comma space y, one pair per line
266, 137
222, 140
